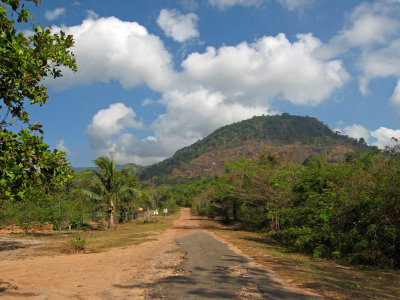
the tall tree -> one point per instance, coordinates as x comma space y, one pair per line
108, 185
25, 61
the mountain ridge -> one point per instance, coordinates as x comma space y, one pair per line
274, 132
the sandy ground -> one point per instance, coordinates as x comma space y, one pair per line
122, 273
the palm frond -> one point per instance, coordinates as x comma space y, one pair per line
89, 194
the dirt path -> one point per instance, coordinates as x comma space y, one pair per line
199, 267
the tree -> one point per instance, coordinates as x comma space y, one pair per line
27, 163
109, 185
25, 61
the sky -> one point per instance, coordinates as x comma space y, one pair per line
155, 76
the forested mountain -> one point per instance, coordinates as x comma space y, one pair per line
293, 137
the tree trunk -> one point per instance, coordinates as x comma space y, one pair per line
235, 210
111, 224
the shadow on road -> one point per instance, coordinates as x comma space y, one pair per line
213, 271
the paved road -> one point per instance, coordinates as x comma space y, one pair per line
211, 270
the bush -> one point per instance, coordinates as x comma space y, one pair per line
77, 244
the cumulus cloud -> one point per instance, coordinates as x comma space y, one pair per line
178, 26
370, 24
110, 49
51, 15
107, 124
215, 88
180, 126
357, 131
381, 137
269, 67
223, 86
377, 31
384, 137
374, 30
383, 62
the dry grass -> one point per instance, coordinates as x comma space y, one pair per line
54, 242
326, 277
132, 233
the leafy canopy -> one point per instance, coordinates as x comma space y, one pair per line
26, 60
26, 163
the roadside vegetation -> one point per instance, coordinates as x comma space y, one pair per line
329, 278
92, 199
348, 211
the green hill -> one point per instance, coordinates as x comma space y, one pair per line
250, 137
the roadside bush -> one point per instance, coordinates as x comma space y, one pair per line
77, 244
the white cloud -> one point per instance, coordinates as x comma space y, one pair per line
295, 4
224, 4
109, 123
178, 26
269, 67
220, 87
370, 24
128, 149
380, 137
182, 125
374, 30
110, 49
91, 14
380, 63
369, 29
384, 137
51, 15
395, 99
151, 139
62, 147
357, 131
147, 102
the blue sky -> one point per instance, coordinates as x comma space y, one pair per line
155, 76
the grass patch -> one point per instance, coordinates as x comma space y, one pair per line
132, 233
54, 242
326, 277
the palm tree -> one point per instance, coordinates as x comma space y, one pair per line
108, 185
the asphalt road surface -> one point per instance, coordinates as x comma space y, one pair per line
211, 270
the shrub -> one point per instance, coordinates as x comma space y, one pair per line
77, 244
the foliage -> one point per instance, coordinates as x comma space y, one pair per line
109, 186
77, 244
27, 163
34, 210
26, 61
348, 210
174, 196
29, 171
